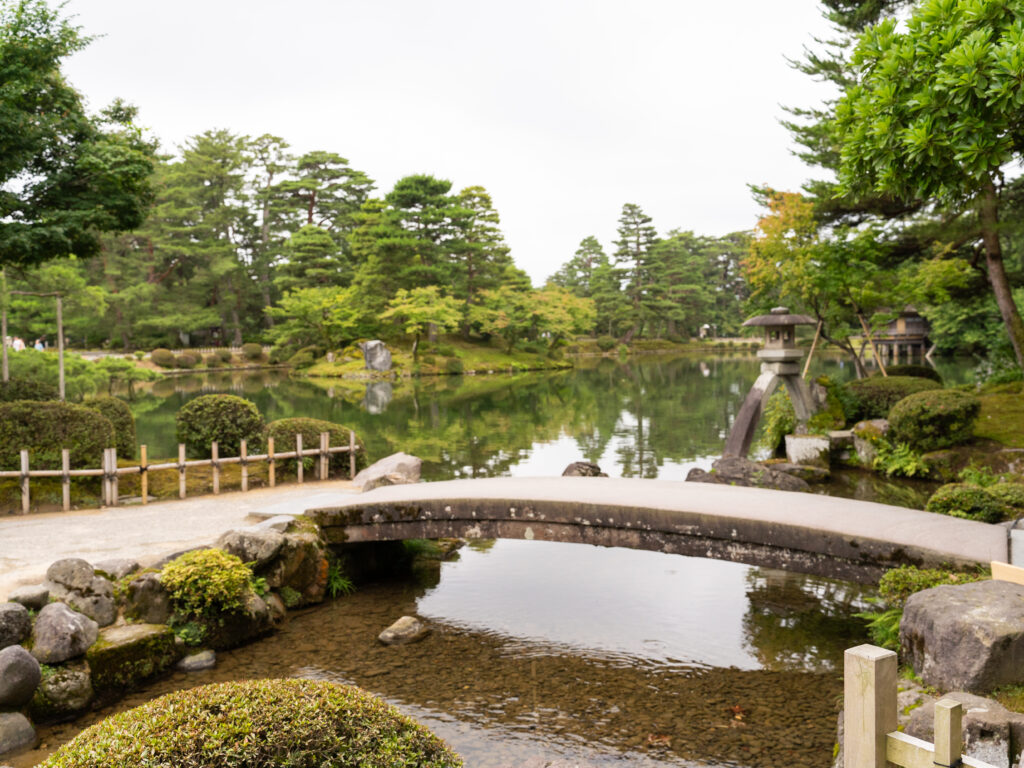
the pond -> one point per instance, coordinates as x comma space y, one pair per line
654, 416
616, 657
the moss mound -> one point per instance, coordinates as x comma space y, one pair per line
873, 398
120, 415
968, 501
295, 723
225, 418
928, 421
1010, 494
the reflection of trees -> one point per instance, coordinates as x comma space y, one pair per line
799, 622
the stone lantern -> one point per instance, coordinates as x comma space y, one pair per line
780, 352
780, 362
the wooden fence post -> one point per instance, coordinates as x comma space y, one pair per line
244, 461
65, 479
325, 443
215, 464
143, 474
270, 460
26, 501
181, 471
949, 716
113, 477
869, 693
351, 454
298, 455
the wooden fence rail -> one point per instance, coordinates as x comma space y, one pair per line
870, 738
110, 472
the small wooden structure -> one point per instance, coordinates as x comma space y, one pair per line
906, 334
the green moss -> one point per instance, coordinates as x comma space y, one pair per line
118, 665
290, 597
207, 582
971, 502
1002, 417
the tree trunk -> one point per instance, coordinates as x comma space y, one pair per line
989, 216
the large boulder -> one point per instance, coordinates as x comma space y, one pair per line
32, 597
991, 733
240, 627
71, 573
583, 469
63, 693
61, 633
19, 676
15, 624
124, 656
967, 637
734, 470
813, 450
16, 732
405, 630
257, 547
376, 355
396, 469
866, 435
147, 600
75, 582
117, 568
301, 566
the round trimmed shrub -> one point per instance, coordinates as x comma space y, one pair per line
26, 389
206, 583
212, 361
228, 419
284, 430
445, 350
916, 371
44, 428
1010, 494
968, 501
187, 360
252, 351
224, 355
163, 357
606, 343
930, 420
296, 723
120, 415
304, 358
874, 397
454, 365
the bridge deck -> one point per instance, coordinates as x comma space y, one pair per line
817, 534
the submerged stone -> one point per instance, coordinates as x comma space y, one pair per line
405, 630
123, 656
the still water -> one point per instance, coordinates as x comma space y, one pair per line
542, 650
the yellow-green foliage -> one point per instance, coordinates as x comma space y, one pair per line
968, 501
294, 723
1002, 415
207, 582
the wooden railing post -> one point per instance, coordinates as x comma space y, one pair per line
65, 479
270, 460
869, 692
948, 732
181, 471
26, 501
113, 477
298, 456
144, 474
244, 461
215, 464
325, 443
351, 454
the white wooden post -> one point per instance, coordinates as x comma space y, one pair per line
65, 479
245, 466
869, 692
181, 471
270, 460
26, 501
215, 463
298, 456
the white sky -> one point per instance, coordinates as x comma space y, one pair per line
563, 110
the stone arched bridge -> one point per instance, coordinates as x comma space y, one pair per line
802, 532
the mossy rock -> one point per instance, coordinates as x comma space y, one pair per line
124, 656
64, 691
298, 723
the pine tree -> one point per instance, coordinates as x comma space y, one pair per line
638, 266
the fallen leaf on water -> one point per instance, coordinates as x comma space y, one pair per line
659, 740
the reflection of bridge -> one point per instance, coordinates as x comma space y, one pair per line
794, 531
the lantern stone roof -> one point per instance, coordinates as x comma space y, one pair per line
780, 316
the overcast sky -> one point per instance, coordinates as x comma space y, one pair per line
564, 110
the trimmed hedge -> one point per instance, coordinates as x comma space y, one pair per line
213, 361
252, 351
928, 421
295, 723
284, 430
26, 389
224, 355
187, 360
606, 343
873, 398
228, 419
163, 357
44, 428
968, 501
916, 371
120, 415
1010, 494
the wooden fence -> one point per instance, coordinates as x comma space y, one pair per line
870, 738
110, 472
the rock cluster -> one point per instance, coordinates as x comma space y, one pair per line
396, 469
75, 582
734, 470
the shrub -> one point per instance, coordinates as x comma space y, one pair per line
428, 360
296, 723
873, 398
284, 430
898, 460
26, 389
224, 355
454, 365
252, 351
445, 350
606, 343
228, 419
163, 357
120, 415
304, 358
187, 360
44, 428
914, 371
207, 582
967, 501
777, 421
139, 354
833, 414
1012, 497
936, 419
212, 361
